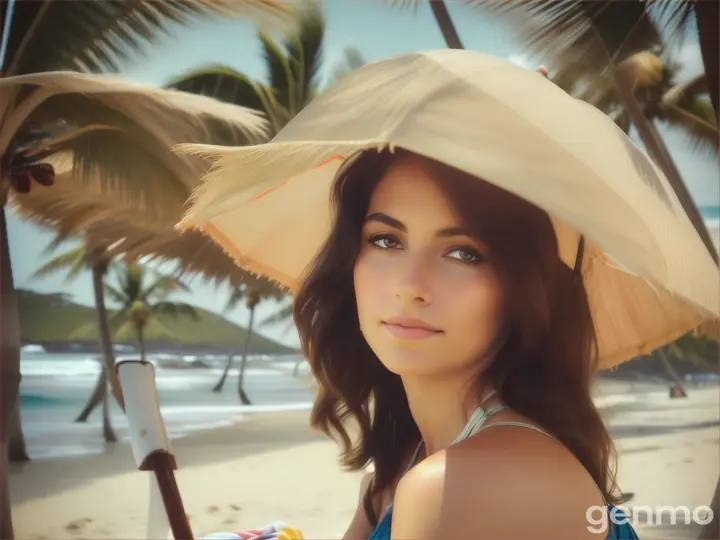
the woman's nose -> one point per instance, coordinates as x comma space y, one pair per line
413, 284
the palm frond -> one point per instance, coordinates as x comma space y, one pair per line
116, 159
237, 295
283, 315
115, 294
695, 118
351, 60
99, 35
304, 51
279, 74
621, 117
72, 205
72, 99
676, 18
162, 327
584, 34
277, 114
683, 106
195, 252
124, 330
175, 310
88, 331
252, 293
220, 82
72, 261
687, 108
162, 287
134, 159
133, 278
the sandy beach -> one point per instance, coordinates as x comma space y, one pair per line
270, 466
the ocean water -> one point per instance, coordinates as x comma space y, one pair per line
711, 216
56, 387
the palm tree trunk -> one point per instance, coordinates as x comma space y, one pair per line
6, 526
241, 377
711, 531
108, 432
96, 398
17, 449
624, 80
141, 342
707, 15
99, 268
100, 396
449, 32
671, 371
9, 370
219, 386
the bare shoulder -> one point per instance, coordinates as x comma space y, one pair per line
507, 482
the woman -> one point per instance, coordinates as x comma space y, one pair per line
437, 297
448, 322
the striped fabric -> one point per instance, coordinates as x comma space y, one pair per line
275, 531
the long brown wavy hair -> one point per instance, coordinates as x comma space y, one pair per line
543, 371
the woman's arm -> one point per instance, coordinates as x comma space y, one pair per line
360, 528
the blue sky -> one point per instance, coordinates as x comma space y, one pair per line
378, 31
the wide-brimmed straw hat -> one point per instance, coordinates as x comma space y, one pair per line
647, 273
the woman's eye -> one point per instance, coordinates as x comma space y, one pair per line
466, 255
384, 241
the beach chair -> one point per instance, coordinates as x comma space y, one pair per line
151, 450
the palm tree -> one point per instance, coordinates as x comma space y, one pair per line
600, 35
143, 300
252, 295
707, 15
596, 40
641, 88
658, 94
130, 235
595, 34
45, 112
442, 18
292, 83
292, 66
351, 60
447, 27
73, 262
40, 116
284, 316
622, 28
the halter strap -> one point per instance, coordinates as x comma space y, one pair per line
473, 425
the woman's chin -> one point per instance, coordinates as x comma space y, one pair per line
413, 363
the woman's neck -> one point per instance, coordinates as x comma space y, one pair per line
441, 407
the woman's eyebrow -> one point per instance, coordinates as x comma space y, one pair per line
381, 217
387, 220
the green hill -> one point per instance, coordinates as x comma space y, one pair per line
50, 320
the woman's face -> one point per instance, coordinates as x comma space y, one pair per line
428, 302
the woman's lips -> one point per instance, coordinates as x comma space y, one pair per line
410, 329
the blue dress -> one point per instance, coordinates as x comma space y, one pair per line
476, 424
617, 532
